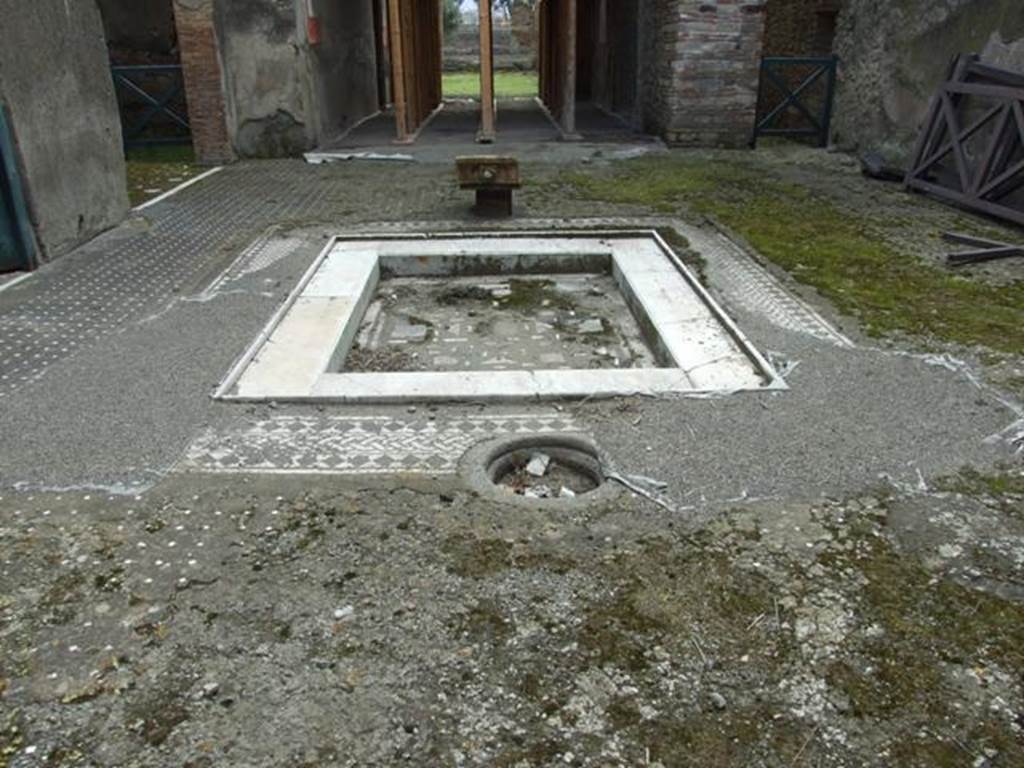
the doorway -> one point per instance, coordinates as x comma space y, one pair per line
589, 66
505, 71
17, 247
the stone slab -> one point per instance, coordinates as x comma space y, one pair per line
688, 331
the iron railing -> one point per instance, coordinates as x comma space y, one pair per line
152, 103
806, 86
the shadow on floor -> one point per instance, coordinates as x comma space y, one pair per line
519, 121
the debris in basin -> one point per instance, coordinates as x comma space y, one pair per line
502, 323
540, 476
538, 492
408, 331
538, 466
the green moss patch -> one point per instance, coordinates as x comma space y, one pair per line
843, 255
927, 625
154, 170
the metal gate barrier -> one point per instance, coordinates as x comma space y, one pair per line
152, 103
795, 97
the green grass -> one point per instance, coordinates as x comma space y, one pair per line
508, 85
844, 256
153, 170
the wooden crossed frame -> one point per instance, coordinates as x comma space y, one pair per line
983, 183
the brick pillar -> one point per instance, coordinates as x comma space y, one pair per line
716, 57
200, 61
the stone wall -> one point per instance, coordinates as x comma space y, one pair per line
658, 33
894, 54
55, 81
257, 88
700, 70
268, 82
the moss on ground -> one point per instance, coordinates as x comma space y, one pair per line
927, 626
971, 482
686, 254
725, 740
528, 296
474, 558
843, 255
11, 738
686, 601
151, 171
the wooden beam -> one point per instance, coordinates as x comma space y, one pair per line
487, 107
398, 89
569, 22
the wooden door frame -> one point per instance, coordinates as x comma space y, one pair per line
398, 95
415, 65
557, 61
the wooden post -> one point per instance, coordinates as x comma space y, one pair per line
569, 73
380, 29
398, 90
487, 105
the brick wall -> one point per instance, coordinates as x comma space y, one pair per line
659, 28
704, 84
200, 61
800, 27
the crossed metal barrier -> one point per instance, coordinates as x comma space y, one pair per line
808, 119
157, 89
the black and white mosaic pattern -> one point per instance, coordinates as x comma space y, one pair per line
364, 445
172, 249
176, 248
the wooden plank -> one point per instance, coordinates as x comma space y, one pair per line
962, 239
487, 95
925, 140
996, 76
964, 136
570, 20
998, 139
986, 254
958, 150
970, 201
988, 182
981, 89
398, 89
1001, 179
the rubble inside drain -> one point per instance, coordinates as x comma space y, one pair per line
542, 477
530, 322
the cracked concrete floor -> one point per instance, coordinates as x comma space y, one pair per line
829, 590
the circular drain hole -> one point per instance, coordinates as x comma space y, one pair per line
538, 468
